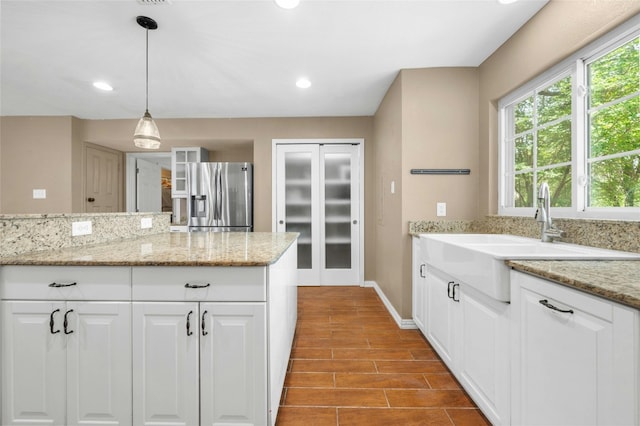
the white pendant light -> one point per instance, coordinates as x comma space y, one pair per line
147, 135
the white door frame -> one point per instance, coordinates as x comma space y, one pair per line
130, 173
328, 141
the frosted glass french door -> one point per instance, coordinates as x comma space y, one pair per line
339, 214
318, 196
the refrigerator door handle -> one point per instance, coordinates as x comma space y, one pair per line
219, 194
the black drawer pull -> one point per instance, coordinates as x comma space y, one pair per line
545, 302
422, 274
57, 285
187, 285
204, 324
453, 293
189, 332
66, 322
51, 322
449, 289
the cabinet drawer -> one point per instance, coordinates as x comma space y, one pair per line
65, 282
217, 284
565, 297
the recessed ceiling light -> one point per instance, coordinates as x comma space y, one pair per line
102, 86
288, 4
507, 1
303, 83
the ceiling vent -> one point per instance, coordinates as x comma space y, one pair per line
154, 2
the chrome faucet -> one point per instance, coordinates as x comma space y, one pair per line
543, 215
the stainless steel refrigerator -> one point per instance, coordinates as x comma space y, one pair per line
220, 197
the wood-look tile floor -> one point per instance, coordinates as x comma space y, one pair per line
351, 365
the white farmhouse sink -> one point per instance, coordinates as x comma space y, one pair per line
478, 259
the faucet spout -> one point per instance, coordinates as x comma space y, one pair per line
543, 215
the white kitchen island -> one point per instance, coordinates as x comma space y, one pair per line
169, 329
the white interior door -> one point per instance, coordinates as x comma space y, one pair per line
339, 214
318, 194
297, 189
102, 180
148, 186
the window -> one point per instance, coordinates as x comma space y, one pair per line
577, 127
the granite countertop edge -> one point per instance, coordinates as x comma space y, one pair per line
609, 279
168, 249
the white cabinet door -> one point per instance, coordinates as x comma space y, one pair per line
233, 364
33, 363
419, 271
441, 314
318, 194
98, 363
165, 363
483, 352
179, 158
575, 357
66, 363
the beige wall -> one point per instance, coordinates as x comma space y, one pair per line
36, 154
55, 146
558, 30
388, 207
428, 119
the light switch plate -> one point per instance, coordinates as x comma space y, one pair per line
146, 222
39, 194
81, 228
441, 209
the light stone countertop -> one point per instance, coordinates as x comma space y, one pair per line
169, 249
617, 280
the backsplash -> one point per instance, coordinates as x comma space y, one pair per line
34, 232
608, 234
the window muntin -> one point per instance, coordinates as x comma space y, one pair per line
580, 132
540, 143
613, 114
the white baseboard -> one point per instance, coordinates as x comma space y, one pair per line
406, 324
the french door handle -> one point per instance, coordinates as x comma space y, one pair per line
204, 324
189, 332
52, 322
65, 324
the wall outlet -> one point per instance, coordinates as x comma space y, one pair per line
39, 194
441, 209
80, 228
146, 222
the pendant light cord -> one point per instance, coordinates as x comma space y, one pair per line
146, 106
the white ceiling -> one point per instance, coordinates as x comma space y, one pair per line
235, 58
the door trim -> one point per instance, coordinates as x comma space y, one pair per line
329, 141
130, 174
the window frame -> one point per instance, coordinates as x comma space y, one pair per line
576, 66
